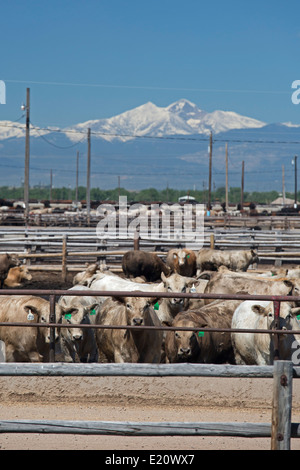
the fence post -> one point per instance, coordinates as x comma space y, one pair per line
64, 258
282, 405
136, 240
52, 329
276, 305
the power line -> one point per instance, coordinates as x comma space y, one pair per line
51, 143
176, 138
168, 173
148, 87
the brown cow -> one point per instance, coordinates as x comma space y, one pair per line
132, 345
25, 344
182, 261
142, 263
200, 346
16, 276
7, 261
236, 260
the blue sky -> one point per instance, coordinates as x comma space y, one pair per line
97, 58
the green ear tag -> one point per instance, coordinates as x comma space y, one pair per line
298, 317
201, 334
156, 306
93, 312
68, 316
188, 256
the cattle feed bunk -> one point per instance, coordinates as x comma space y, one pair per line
281, 430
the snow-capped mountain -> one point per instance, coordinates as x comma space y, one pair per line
179, 118
144, 162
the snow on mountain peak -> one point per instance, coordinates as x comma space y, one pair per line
179, 118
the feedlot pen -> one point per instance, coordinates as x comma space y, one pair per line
71, 248
281, 429
68, 249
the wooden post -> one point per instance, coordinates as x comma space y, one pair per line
295, 203
64, 259
52, 329
76, 190
283, 186
276, 306
212, 241
51, 182
88, 182
226, 187
282, 405
242, 187
136, 240
27, 152
210, 171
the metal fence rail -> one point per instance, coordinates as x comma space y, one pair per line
281, 429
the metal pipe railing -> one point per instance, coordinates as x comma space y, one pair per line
276, 299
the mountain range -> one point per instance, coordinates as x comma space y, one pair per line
152, 146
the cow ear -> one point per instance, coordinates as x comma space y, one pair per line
31, 308
259, 309
91, 308
193, 282
163, 277
153, 300
288, 283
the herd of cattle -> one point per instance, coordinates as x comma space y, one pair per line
206, 271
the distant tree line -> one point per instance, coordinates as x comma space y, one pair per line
145, 195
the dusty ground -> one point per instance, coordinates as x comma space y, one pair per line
136, 399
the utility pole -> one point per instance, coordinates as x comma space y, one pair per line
88, 189
209, 178
76, 190
295, 204
226, 187
27, 153
50, 195
283, 186
242, 188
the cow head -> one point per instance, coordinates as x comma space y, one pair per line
12, 260
179, 284
25, 273
181, 256
287, 318
76, 314
254, 256
136, 308
294, 288
186, 344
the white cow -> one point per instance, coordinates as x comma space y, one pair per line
78, 343
258, 348
112, 282
168, 307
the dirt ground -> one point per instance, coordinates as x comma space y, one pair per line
143, 399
